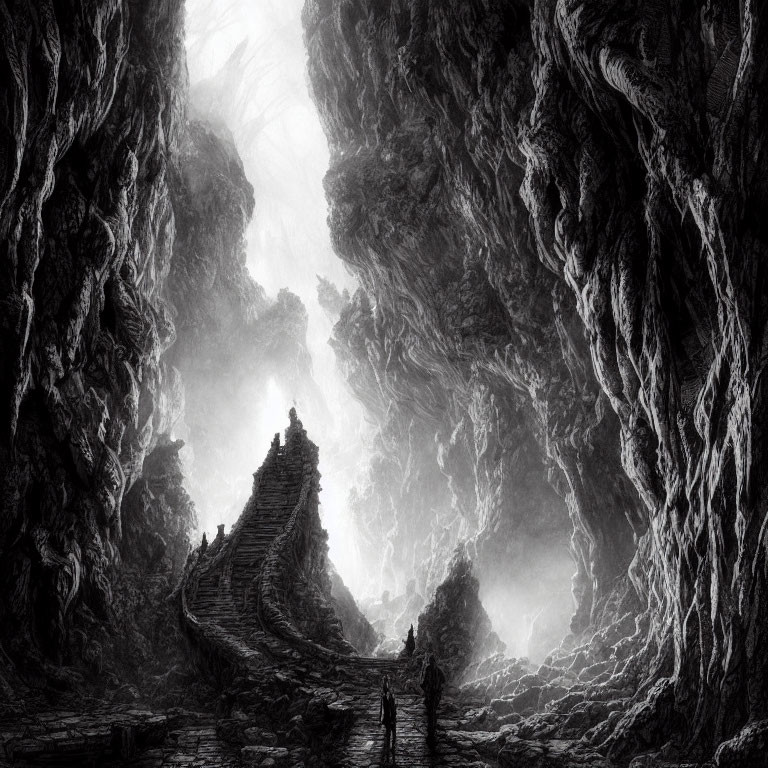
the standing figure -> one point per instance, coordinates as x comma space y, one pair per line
432, 680
410, 643
388, 718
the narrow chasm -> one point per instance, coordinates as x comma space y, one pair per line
381, 384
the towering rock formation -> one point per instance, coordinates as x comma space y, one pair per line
95, 103
483, 348
559, 203
123, 288
270, 578
231, 337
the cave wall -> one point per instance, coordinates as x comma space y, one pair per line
468, 329
94, 94
128, 314
564, 199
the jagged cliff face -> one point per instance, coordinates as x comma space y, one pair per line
485, 348
123, 291
559, 202
94, 95
270, 576
232, 337
453, 465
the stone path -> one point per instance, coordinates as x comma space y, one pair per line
115, 736
140, 739
366, 745
221, 593
341, 691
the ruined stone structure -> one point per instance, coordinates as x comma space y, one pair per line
269, 575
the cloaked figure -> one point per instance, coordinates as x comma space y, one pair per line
410, 643
388, 718
432, 680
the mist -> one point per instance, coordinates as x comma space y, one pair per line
262, 98
530, 612
246, 65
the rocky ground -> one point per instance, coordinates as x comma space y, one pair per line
117, 736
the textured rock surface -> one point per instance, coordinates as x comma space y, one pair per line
123, 290
118, 735
561, 202
477, 356
454, 625
94, 96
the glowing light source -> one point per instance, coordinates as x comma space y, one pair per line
266, 106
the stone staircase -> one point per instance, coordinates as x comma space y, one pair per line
235, 603
277, 497
236, 594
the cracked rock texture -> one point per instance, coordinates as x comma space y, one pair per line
560, 204
454, 626
476, 360
94, 97
123, 291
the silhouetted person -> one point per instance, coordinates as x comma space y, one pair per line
432, 680
388, 718
203, 544
410, 642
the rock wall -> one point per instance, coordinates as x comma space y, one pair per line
127, 313
94, 95
560, 201
471, 331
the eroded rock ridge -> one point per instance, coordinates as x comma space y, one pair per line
554, 210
